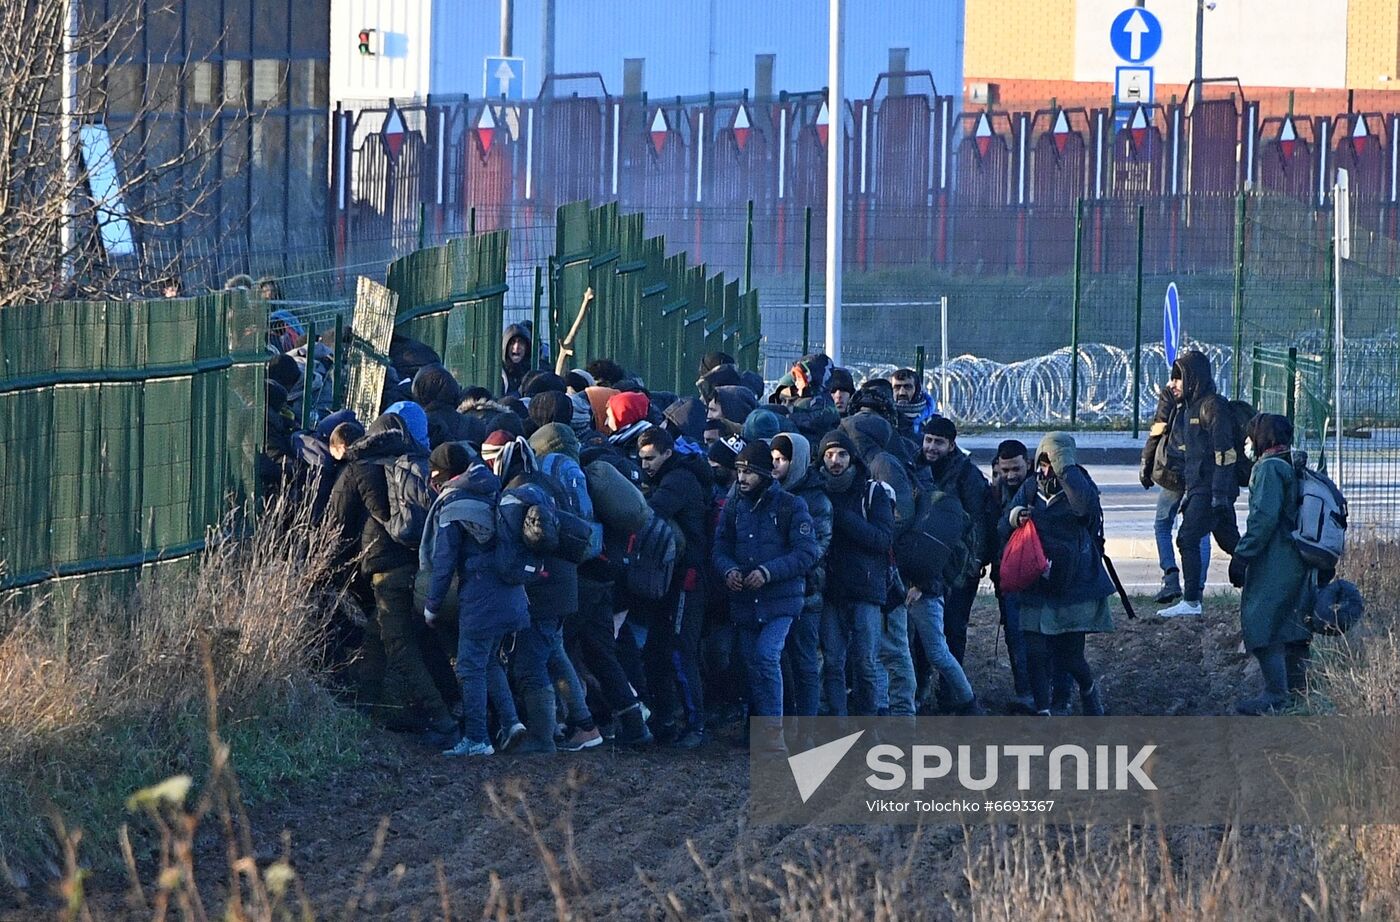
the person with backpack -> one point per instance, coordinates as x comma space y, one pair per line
589, 632
1071, 601
551, 588
793, 470
382, 494
1206, 429
765, 545
952, 472
466, 556
1275, 581
676, 491
857, 576
1164, 466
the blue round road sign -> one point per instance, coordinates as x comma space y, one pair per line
1136, 35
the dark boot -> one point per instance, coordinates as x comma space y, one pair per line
1171, 587
1091, 701
1275, 674
539, 716
1296, 658
631, 729
1061, 687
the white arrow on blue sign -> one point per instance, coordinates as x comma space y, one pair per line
504, 78
1171, 323
1136, 35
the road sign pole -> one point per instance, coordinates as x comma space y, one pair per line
835, 175
1137, 333
1074, 314
943, 357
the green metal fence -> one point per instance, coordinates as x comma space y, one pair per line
125, 430
654, 314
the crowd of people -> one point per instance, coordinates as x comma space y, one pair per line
551, 560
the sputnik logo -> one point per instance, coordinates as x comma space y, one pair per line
811, 768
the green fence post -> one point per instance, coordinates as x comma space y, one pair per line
338, 370
535, 318
807, 281
1239, 292
919, 366
308, 374
748, 251
1256, 372
471, 222
1137, 332
1290, 399
422, 226
1074, 314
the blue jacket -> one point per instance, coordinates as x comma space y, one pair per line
772, 532
487, 604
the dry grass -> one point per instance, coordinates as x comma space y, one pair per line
105, 693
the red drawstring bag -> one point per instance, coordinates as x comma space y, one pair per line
1023, 562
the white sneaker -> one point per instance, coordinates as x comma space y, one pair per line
1181, 608
507, 737
466, 747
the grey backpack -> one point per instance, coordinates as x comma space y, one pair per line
1320, 535
410, 498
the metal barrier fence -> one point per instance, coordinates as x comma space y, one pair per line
125, 429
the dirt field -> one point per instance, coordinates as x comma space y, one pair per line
635, 816
633, 813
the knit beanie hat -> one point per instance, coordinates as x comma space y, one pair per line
942, 427
495, 443
579, 380
551, 407
628, 407
544, 382
725, 452
448, 460
756, 457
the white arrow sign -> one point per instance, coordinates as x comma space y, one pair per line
504, 75
1136, 28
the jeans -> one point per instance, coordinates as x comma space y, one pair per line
895, 685
532, 648
1168, 505
567, 685
762, 646
850, 629
926, 622
1049, 655
475, 657
406, 678
671, 655
590, 633
1199, 520
957, 612
804, 662
1010, 607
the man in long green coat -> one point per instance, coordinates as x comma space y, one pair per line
1277, 584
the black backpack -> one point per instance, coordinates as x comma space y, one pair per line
410, 498
934, 552
646, 559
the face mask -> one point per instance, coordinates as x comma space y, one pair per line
1249, 449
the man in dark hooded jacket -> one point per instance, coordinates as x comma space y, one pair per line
732, 404
1205, 428
676, 491
516, 345
793, 470
954, 473
358, 512
857, 575
913, 406
1164, 465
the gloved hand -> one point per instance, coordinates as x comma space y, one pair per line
1239, 567
429, 616
1145, 477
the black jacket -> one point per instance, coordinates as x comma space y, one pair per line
1163, 460
360, 502
1205, 428
858, 562
437, 392
957, 475
676, 494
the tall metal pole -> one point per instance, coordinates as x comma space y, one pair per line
1200, 42
943, 355
1137, 333
547, 39
1074, 315
507, 27
1341, 250
807, 280
1239, 294
68, 139
835, 177
748, 250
